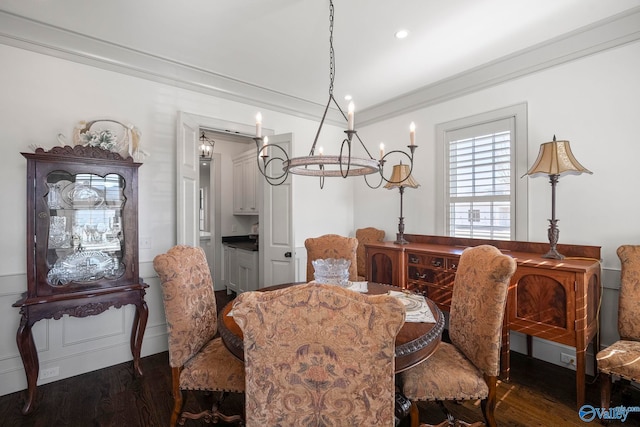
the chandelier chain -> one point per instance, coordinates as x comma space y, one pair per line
332, 57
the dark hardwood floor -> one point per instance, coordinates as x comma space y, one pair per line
538, 394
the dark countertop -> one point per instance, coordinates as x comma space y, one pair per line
241, 242
247, 246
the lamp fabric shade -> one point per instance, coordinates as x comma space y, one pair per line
556, 158
401, 177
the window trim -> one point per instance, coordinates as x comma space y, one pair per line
520, 149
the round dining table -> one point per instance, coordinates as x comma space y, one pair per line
414, 343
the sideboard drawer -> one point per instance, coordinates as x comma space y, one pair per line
441, 278
432, 261
441, 295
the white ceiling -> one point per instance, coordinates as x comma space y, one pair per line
283, 46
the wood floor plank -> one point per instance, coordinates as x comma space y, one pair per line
115, 397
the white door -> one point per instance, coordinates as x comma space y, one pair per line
277, 263
187, 192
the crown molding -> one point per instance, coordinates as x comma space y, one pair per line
38, 37
609, 33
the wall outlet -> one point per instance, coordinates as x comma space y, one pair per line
568, 359
49, 372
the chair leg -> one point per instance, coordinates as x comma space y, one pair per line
177, 406
212, 415
605, 392
217, 415
177, 397
488, 405
414, 413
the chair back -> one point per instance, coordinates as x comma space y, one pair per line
318, 355
189, 301
366, 235
478, 305
629, 296
332, 246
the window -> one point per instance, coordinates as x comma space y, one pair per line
481, 159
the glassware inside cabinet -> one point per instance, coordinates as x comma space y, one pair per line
86, 235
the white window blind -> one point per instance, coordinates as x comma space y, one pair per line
479, 162
480, 180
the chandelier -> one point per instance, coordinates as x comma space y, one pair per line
271, 156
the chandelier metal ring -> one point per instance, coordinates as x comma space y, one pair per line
304, 166
400, 152
264, 161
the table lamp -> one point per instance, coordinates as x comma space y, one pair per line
554, 159
401, 178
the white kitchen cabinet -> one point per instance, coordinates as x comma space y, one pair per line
247, 269
240, 269
231, 268
245, 200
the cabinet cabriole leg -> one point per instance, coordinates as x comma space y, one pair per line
29, 355
137, 333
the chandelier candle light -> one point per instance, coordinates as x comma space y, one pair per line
555, 159
318, 164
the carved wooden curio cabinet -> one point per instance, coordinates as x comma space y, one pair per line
82, 244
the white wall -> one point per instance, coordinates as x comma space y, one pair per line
593, 103
44, 96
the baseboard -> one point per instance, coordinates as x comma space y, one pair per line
13, 380
550, 351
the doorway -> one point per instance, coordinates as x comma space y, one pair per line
209, 211
188, 196
216, 186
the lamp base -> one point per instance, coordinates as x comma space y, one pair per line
553, 254
400, 240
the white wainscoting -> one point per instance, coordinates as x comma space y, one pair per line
301, 264
77, 345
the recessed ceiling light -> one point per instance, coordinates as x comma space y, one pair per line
347, 97
401, 34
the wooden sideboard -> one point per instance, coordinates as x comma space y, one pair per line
556, 300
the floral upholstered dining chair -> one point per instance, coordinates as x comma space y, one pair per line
319, 355
467, 369
366, 235
198, 360
622, 358
332, 246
